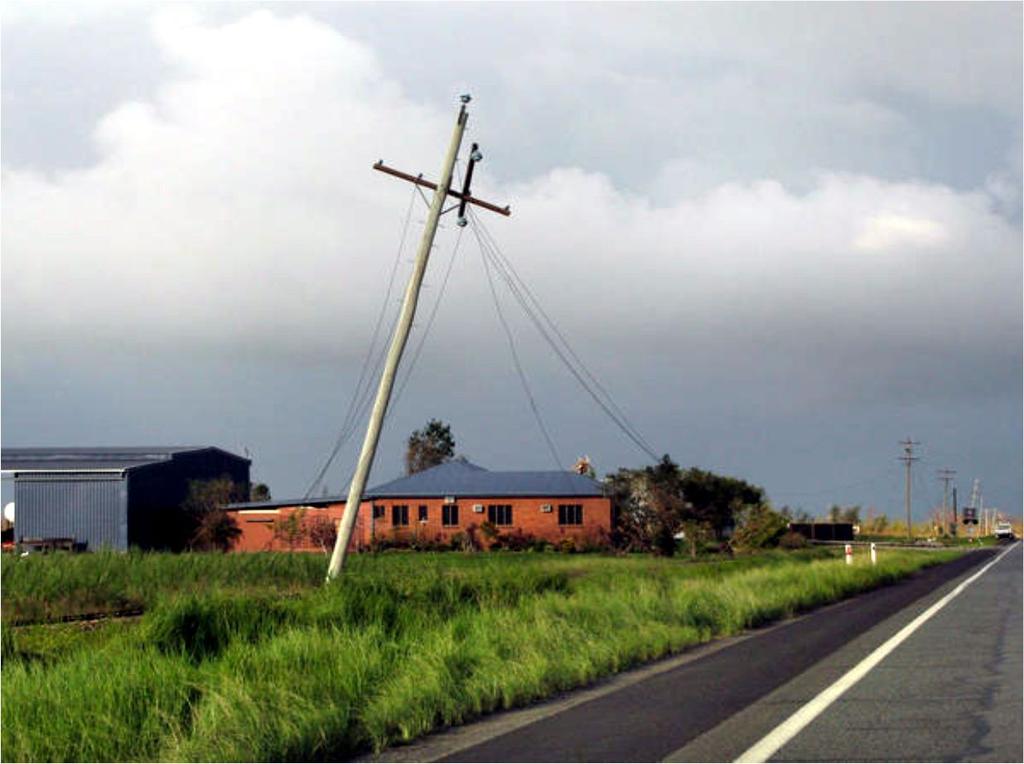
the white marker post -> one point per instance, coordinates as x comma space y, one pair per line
849, 554
874, 554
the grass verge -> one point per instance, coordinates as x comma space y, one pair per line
404, 645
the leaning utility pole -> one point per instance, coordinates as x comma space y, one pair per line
947, 475
908, 458
442, 190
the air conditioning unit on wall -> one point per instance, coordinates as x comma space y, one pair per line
545, 507
478, 508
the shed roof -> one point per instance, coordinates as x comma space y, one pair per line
66, 459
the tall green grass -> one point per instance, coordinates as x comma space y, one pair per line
401, 646
40, 587
47, 587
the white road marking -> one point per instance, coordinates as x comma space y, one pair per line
770, 744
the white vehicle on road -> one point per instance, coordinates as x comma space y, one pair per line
1004, 531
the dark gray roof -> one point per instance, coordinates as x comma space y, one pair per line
92, 458
461, 478
274, 503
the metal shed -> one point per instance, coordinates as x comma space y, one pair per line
112, 498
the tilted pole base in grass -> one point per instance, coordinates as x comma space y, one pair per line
442, 190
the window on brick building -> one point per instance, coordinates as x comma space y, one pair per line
400, 514
499, 514
378, 512
450, 515
570, 514
423, 513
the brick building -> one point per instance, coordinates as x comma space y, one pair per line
434, 505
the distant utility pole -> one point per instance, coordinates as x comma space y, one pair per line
908, 458
946, 476
976, 503
981, 509
442, 190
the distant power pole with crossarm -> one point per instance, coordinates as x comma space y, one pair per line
908, 459
442, 190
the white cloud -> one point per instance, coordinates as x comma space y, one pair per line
886, 232
238, 205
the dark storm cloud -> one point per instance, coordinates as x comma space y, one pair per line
747, 216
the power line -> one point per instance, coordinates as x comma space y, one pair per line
430, 321
516, 362
350, 414
513, 274
532, 315
366, 397
607, 407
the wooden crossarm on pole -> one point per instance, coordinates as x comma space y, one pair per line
420, 181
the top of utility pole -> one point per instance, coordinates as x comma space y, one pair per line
465, 196
908, 450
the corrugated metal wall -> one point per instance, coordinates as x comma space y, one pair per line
92, 508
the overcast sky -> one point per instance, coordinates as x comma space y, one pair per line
784, 236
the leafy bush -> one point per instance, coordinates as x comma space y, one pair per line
489, 530
519, 541
792, 540
759, 527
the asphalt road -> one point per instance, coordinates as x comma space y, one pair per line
952, 691
958, 696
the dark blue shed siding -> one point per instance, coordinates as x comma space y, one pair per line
88, 507
157, 491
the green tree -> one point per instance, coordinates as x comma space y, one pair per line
878, 524
716, 499
695, 534
840, 514
429, 447
204, 507
758, 526
322, 532
851, 515
797, 515
653, 504
291, 529
259, 492
647, 506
